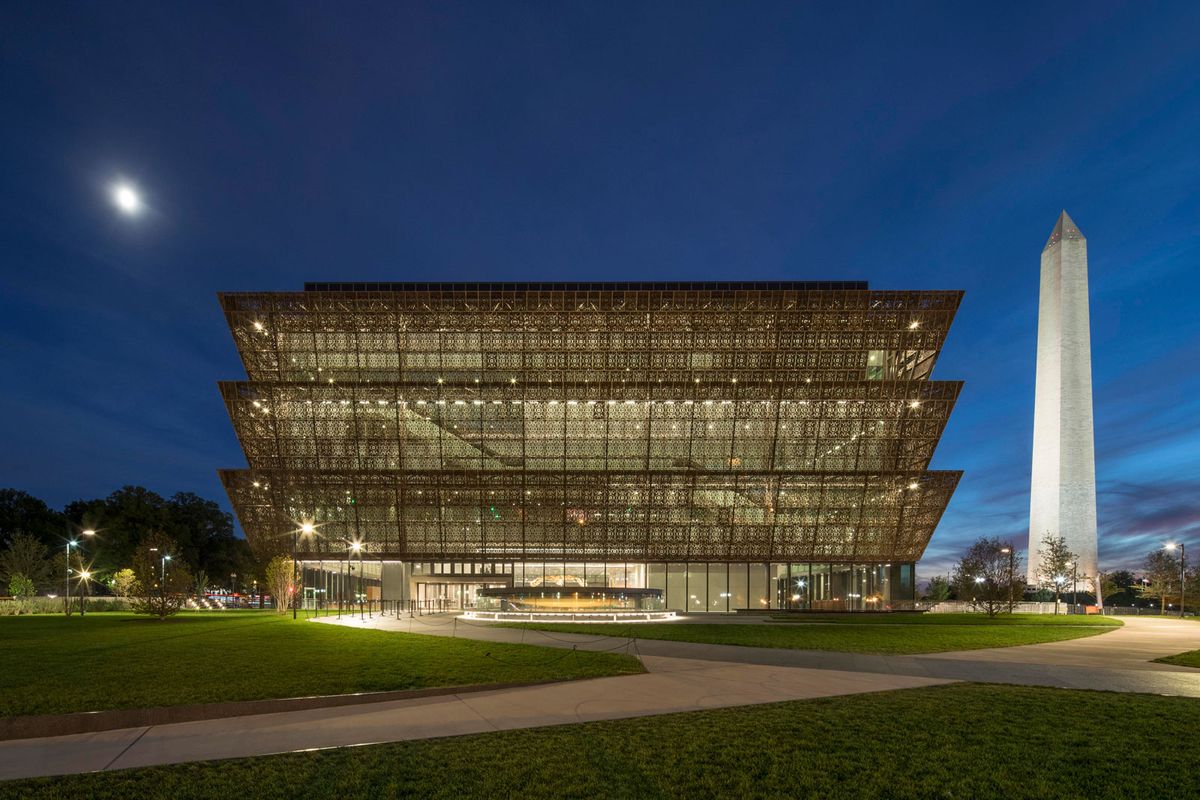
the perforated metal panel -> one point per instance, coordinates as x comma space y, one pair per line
673, 424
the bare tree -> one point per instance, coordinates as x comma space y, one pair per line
1162, 570
1055, 564
988, 576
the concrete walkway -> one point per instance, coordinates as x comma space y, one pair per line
1118, 660
670, 685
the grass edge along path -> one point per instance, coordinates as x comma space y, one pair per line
1191, 658
56, 665
953, 741
859, 637
954, 618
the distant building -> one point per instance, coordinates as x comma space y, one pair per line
734, 445
1063, 489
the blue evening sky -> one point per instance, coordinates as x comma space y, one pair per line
914, 145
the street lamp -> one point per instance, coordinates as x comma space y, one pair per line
88, 532
1182, 572
83, 579
163, 578
70, 543
1075, 586
357, 548
1012, 567
307, 528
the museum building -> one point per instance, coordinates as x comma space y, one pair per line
721, 445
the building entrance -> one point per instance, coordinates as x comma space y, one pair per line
449, 596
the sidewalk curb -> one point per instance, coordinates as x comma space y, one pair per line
44, 725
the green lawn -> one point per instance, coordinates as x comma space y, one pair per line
955, 741
862, 633
951, 619
51, 664
1189, 659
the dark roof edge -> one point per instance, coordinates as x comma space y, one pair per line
573, 286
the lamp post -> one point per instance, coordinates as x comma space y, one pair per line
1074, 586
70, 543
357, 548
307, 529
163, 575
89, 533
1012, 568
1182, 573
83, 579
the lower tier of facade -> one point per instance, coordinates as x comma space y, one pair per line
715, 587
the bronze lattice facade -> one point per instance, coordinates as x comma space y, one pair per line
648, 422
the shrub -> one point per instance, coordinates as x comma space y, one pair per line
21, 587
54, 605
123, 582
161, 586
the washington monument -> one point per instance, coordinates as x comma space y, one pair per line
1063, 493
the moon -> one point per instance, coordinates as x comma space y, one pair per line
127, 199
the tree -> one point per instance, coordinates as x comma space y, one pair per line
21, 586
200, 587
1162, 570
989, 576
939, 589
123, 582
122, 520
1117, 587
160, 588
21, 512
282, 582
26, 556
1055, 564
203, 533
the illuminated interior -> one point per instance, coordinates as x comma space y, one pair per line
668, 424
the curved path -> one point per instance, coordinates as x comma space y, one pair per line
681, 676
1117, 660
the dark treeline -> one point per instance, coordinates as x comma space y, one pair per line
202, 532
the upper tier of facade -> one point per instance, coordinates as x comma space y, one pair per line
588, 335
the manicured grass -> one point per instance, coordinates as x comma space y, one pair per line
1189, 659
951, 619
52, 664
860, 634
954, 741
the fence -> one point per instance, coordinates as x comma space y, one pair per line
1020, 607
